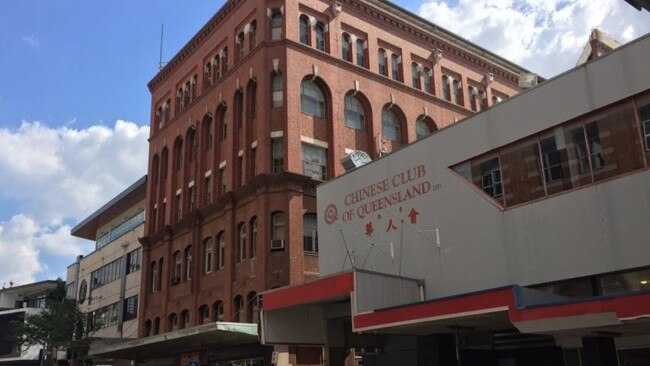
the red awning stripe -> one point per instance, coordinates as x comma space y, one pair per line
319, 290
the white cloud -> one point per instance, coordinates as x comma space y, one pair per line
32, 41
545, 36
58, 176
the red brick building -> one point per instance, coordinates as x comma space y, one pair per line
256, 110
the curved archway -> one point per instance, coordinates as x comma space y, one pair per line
424, 126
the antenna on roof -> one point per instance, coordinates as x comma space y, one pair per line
160, 61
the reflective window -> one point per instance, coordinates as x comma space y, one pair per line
346, 48
309, 233
312, 100
361, 58
314, 162
354, 113
320, 36
390, 125
304, 30
421, 129
381, 60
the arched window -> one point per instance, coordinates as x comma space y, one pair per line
191, 145
178, 264
188, 263
223, 122
309, 233
172, 322
395, 66
207, 255
217, 311
238, 309
361, 51
221, 250
252, 35
185, 319
203, 315
421, 129
320, 36
346, 48
160, 274
415, 76
153, 276
312, 100
253, 238
427, 80
241, 242
147, 328
390, 125
304, 30
354, 113
156, 326
277, 89
276, 24
381, 60
253, 308
277, 230
239, 46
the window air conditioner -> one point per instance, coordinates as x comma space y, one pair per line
277, 244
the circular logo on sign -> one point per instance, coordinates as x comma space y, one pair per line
331, 214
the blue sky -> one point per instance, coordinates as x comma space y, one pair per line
74, 103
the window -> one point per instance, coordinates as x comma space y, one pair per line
188, 263
217, 311
446, 88
253, 163
160, 274
253, 239
457, 89
239, 46
314, 162
203, 315
276, 24
361, 52
83, 291
277, 156
103, 317
207, 250
552, 162
208, 189
172, 322
221, 250
222, 181
106, 274
304, 30
277, 230
156, 326
428, 75
178, 263
179, 208
241, 243
354, 113
253, 308
277, 89
252, 35
381, 60
390, 125
491, 178
224, 64
216, 68
395, 63
147, 328
320, 36
153, 277
421, 129
595, 147
238, 303
191, 192
415, 76
309, 233
133, 261
130, 308
185, 319
121, 229
346, 48
312, 100
643, 110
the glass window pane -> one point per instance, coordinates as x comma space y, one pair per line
522, 178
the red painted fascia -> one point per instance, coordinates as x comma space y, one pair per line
319, 290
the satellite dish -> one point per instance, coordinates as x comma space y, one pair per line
355, 159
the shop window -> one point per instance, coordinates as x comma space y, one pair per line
354, 113
314, 162
312, 100
277, 156
277, 231
346, 48
221, 250
207, 255
276, 24
390, 125
304, 30
382, 62
309, 233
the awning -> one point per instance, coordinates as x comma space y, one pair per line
185, 340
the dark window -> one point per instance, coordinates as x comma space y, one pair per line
346, 48
277, 156
304, 30
133, 261
130, 308
310, 233
320, 36
277, 230
381, 59
253, 238
491, 178
395, 66
361, 52
415, 76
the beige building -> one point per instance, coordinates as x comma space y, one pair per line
106, 282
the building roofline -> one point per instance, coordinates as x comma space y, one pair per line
212, 24
76, 231
28, 285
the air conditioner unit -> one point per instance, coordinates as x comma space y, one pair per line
277, 244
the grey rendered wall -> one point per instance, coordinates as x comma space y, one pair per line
591, 230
